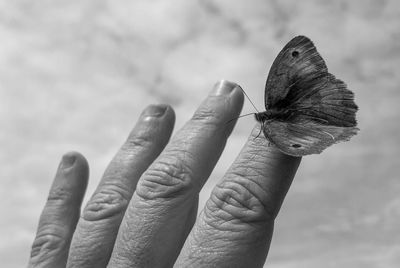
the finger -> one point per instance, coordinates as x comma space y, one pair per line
164, 205
97, 229
61, 213
235, 227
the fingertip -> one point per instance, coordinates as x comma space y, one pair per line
170, 114
225, 102
157, 112
73, 172
228, 88
222, 87
74, 157
74, 160
237, 93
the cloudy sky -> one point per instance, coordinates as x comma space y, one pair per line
75, 75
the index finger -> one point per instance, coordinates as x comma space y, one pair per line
235, 228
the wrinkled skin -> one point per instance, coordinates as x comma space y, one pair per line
144, 211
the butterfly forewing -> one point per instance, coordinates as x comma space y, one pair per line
298, 60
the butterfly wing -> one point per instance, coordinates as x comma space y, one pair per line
321, 98
298, 60
309, 108
305, 137
320, 111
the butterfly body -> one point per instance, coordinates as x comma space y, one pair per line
307, 108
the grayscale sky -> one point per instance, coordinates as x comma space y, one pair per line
75, 75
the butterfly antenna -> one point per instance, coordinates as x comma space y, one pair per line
239, 117
244, 92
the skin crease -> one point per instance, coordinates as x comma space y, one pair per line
143, 212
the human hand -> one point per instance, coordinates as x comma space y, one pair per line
144, 211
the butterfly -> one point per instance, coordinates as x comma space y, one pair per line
307, 108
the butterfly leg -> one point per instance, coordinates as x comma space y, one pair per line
259, 133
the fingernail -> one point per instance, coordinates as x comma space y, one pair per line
223, 87
155, 110
67, 161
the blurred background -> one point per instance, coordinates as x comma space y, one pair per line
75, 75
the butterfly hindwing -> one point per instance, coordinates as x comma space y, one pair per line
323, 98
305, 137
298, 60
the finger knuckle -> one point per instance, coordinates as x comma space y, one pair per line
166, 180
206, 115
238, 201
59, 195
45, 246
109, 201
139, 140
